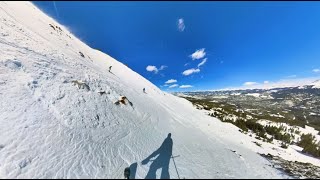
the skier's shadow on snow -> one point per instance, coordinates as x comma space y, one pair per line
162, 161
133, 170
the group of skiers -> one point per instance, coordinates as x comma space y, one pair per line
144, 89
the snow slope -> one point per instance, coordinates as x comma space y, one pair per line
49, 128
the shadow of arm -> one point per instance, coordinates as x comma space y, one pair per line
145, 161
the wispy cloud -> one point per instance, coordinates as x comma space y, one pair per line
174, 85
162, 67
265, 82
316, 70
190, 71
152, 68
249, 83
292, 76
181, 25
198, 54
185, 86
186, 64
55, 8
171, 81
166, 85
202, 63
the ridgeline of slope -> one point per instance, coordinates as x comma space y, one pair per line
51, 129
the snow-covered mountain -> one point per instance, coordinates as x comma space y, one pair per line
301, 83
58, 117
316, 84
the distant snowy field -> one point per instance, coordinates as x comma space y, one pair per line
50, 128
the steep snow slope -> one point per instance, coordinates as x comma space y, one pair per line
49, 128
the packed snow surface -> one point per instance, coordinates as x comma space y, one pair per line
58, 117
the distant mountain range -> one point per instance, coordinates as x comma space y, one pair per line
303, 102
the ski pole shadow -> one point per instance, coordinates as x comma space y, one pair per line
114, 74
164, 153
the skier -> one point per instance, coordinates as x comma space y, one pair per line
144, 90
110, 68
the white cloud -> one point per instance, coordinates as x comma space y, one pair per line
200, 53
166, 85
202, 63
174, 85
181, 25
55, 8
171, 81
265, 82
186, 64
152, 68
155, 69
185, 86
190, 71
249, 83
162, 67
294, 82
316, 70
292, 76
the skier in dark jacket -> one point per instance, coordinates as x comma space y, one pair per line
110, 68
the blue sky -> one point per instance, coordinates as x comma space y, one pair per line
243, 43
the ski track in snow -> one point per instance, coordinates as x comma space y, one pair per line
49, 128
